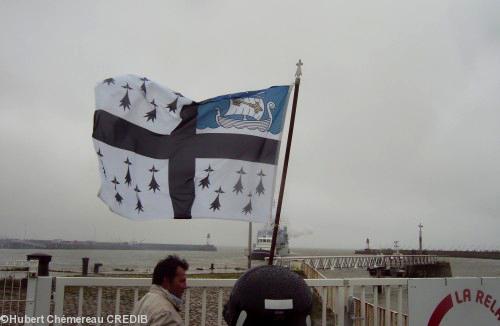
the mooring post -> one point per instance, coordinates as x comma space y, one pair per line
85, 266
96, 268
43, 262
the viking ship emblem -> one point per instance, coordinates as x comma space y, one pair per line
247, 113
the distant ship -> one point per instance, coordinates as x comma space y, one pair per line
262, 247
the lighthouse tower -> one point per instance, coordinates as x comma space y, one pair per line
420, 227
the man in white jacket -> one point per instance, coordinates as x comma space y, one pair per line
162, 303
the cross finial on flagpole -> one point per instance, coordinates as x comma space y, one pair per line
298, 73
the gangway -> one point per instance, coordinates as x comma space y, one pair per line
358, 261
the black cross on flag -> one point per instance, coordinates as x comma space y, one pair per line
194, 159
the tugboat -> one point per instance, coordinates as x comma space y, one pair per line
262, 248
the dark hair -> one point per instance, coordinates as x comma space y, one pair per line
167, 268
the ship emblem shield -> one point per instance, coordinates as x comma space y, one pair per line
246, 113
259, 113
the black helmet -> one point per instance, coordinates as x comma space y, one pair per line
269, 295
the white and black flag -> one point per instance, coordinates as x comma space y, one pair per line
161, 155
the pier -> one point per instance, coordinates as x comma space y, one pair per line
482, 254
372, 261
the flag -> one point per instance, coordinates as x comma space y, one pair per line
162, 155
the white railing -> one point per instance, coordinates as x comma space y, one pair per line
335, 295
359, 261
12, 294
133, 287
359, 311
14, 285
343, 302
357, 302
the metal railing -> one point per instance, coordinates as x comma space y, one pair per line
359, 261
74, 296
340, 302
356, 292
115, 296
364, 301
14, 276
12, 294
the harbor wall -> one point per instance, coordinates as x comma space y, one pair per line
443, 253
439, 269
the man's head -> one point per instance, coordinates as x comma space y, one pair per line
170, 273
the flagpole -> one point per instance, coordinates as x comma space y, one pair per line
249, 245
298, 73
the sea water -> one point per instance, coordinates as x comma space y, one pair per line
225, 258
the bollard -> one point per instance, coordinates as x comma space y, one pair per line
85, 266
43, 262
96, 268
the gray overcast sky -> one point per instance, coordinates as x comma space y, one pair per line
397, 121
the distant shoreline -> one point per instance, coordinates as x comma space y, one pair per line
86, 245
